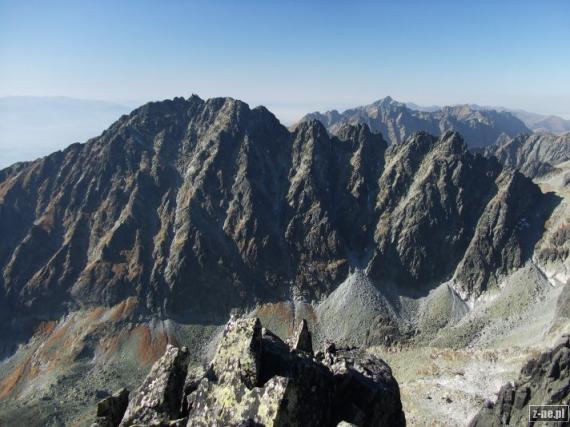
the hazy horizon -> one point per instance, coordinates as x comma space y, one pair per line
291, 57
35, 126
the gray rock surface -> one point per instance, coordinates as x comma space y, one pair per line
159, 398
110, 410
544, 380
397, 122
256, 379
364, 388
302, 340
534, 155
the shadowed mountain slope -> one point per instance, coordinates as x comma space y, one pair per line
198, 207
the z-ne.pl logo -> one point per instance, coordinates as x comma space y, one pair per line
556, 413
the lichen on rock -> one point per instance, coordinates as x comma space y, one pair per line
257, 379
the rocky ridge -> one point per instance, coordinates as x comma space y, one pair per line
534, 155
197, 207
397, 122
257, 379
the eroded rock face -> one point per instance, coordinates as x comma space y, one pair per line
256, 379
542, 381
159, 398
533, 154
397, 122
110, 410
365, 387
196, 207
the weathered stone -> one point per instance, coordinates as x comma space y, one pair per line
191, 384
291, 389
239, 351
158, 399
110, 410
543, 381
302, 339
255, 379
366, 392
521, 397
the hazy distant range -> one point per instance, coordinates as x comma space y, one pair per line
32, 127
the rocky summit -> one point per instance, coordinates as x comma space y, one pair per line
256, 379
397, 122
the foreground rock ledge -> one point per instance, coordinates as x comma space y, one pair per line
256, 379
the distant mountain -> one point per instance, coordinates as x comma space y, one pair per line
31, 127
397, 122
553, 124
536, 122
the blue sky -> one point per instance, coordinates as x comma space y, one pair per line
293, 56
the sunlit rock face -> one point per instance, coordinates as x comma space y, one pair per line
397, 122
196, 207
256, 379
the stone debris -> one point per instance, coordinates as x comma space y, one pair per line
543, 381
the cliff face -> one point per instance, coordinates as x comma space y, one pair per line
196, 207
534, 155
397, 122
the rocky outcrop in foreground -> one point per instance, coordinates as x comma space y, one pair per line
542, 381
256, 379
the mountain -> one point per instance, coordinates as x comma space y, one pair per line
539, 123
542, 123
31, 127
186, 211
397, 122
534, 155
227, 196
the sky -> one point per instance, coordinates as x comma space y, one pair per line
292, 56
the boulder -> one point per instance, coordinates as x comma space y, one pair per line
366, 393
302, 339
110, 410
157, 400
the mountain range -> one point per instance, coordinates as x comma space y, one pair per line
187, 211
397, 122
540, 123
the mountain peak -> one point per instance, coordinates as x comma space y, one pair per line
397, 122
